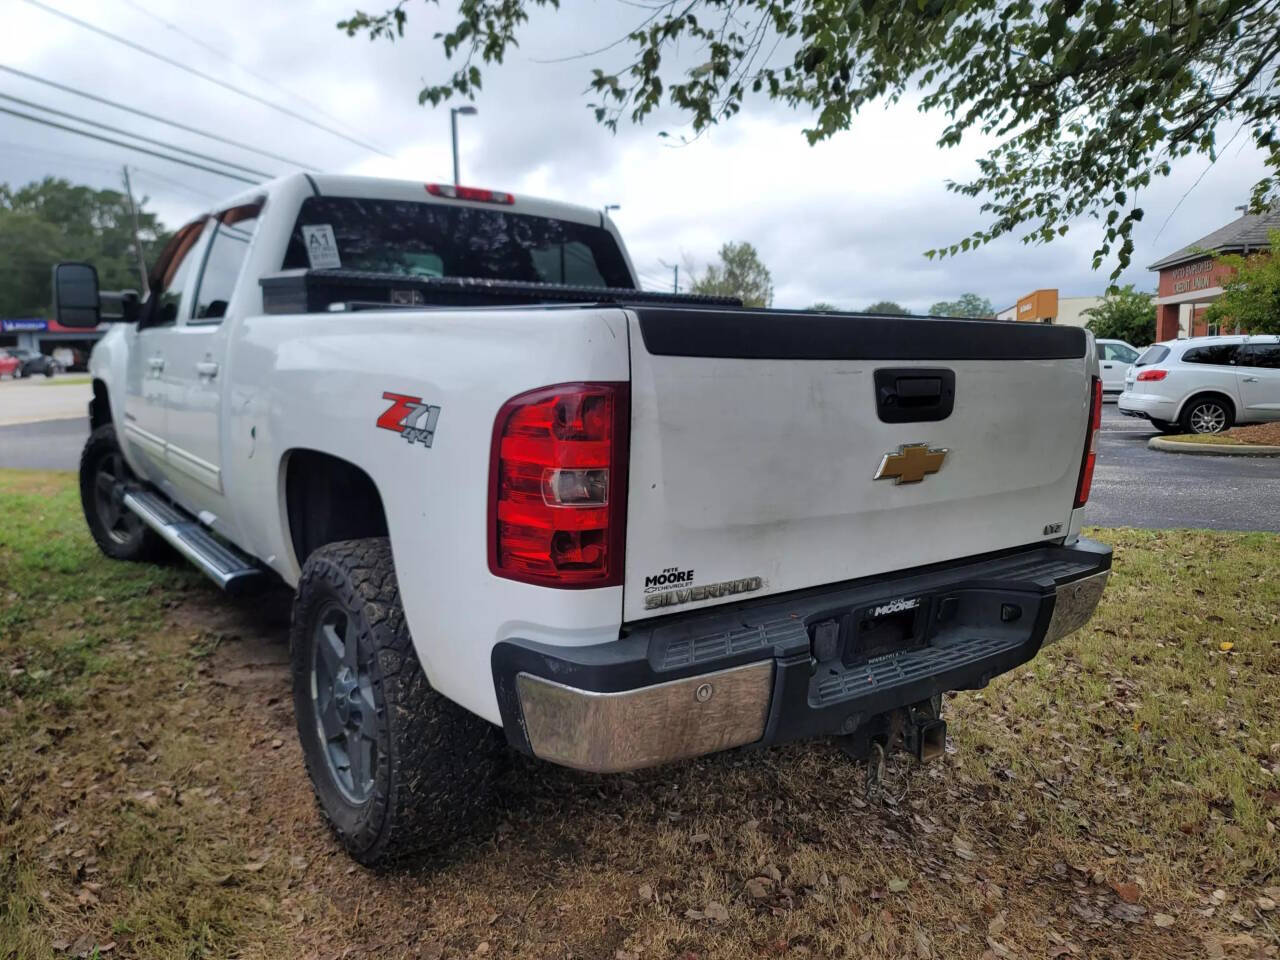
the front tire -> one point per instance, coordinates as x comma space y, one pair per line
397, 768
1207, 415
104, 475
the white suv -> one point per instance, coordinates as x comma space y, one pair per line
1206, 384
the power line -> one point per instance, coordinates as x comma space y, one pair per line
151, 116
204, 76
135, 136
231, 60
127, 146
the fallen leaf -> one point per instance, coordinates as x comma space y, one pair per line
1128, 892
1266, 904
1226, 646
60, 944
257, 865
759, 887
717, 912
997, 925
897, 885
1162, 920
646, 892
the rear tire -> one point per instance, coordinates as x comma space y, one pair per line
397, 768
118, 532
1207, 415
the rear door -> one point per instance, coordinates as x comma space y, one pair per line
1259, 376
758, 438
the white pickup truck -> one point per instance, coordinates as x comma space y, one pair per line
514, 492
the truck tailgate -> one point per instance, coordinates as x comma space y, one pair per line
756, 438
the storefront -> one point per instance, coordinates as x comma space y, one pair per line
1190, 279
69, 346
1045, 306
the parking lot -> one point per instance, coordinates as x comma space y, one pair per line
43, 425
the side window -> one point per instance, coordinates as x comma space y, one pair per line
1261, 355
1118, 353
226, 255
1102, 351
1218, 355
169, 279
1153, 354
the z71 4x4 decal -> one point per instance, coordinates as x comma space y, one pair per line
410, 417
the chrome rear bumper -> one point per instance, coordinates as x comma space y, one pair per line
754, 673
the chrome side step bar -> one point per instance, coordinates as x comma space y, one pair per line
226, 566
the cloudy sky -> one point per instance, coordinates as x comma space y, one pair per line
846, 221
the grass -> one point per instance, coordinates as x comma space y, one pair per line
1220, 439
146, 806
65, 381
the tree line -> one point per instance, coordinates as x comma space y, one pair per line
51, 220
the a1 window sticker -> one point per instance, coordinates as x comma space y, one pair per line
410, 417
322, 247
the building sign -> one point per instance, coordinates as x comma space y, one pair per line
1192, 276
1189, 279
23, 325
1040, 306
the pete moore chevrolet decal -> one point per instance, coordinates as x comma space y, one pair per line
410, 417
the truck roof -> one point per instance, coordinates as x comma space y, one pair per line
383, 188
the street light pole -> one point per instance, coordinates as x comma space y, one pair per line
467, 111
611, 206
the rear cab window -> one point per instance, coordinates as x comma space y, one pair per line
1153, 354
424, 239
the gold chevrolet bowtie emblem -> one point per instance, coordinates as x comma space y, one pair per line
911, 463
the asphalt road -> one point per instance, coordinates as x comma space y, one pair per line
1132, 486
1137, 487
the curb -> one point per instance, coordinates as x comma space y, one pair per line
1214, 449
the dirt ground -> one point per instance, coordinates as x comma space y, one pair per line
1115, 798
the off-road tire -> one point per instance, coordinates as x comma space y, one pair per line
130, 538
1199, 409
434, 761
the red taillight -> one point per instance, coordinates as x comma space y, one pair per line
558, 485
1090, 445
1153, 374
478, 194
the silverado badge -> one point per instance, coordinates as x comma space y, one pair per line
911, 463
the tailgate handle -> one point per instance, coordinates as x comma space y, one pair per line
914, 394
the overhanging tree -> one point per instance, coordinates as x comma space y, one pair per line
1251, 297
1124, 314
740, 273
1088, 100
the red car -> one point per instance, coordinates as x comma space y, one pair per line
8, 365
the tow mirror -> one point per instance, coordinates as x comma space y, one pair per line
75, 295
120, 306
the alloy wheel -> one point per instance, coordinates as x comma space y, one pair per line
1208, 418
343, 703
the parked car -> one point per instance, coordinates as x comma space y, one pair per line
1114, 358
1205, 384
9, 365
518, 497
31, 364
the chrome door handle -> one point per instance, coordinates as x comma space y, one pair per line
207, 368
1250, 379
1107, 366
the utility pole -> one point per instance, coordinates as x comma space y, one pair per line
675, 275
137, 239
467, 111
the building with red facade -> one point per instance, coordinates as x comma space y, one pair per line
1190, 279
